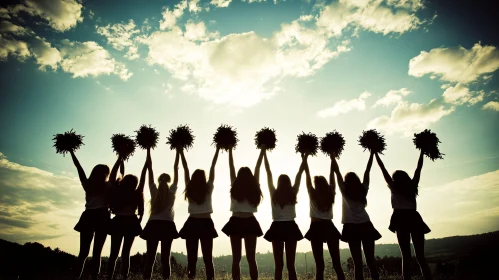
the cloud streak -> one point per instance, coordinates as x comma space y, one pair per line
345, 106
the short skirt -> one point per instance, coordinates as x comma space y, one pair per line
242, 226
362, 231
408, 220
159, 230
198, 228
94, 220
125, 225
283, 231
322, 230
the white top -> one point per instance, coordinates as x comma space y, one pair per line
400, 201
286, 213
206, 206
97, 200
244, 206
316, 213
353, 211
167, 214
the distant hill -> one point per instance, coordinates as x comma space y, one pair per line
458, 257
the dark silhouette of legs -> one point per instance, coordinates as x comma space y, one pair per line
99, 240
418, 241
166, 248
290, 259
317, 251
192, 245
152, 247
356, 252
404, 240
113, 256
334, 251
236, 244
85, 242
278, 250
368, 246
250, 246
207, 250
125, 256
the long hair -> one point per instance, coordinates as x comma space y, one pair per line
125, 193
354, 189
404, 184
159, 201
197, 189
98, 178
245, 187
284, 193
323, 194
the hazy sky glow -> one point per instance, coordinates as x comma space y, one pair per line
101, 68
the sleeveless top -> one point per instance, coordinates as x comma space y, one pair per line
167, 214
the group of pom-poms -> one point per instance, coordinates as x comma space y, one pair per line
225, 138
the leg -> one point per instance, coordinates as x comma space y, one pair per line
250, 247
334, 250
290, 259
192, 256
113, 256
125, 256
278, 250
236, 244
404, 240
207, 250
99, 240
356, 252
368, 246
418, 241
152, 247
166, 248
85, 242
317, 251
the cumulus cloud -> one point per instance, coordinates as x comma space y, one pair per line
13, 47
491, 105
4, 13
45, 54
61, 15
345, 106
392, 97
8, 27
120, 36
170, 16
220, 3
84, 59
456, 64
198, 32
408, 118
460, 94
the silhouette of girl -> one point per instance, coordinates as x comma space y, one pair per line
160, 226
127, 197
322, 229
199, 227
245, 195
94, 221
357, 227
283, 232
406, 222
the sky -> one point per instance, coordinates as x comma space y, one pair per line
399, 66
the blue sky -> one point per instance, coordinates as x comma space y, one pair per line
104, 68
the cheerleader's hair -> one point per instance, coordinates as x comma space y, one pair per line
98, 178
125, 193
284, 193
404, 184
323, 194
197, 189
354, 189
159, 202
245, 187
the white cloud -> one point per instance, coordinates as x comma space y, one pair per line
170, 16
61, 15
460, 94
491, 105
4, 13
8, 27
13, 47
345, 106
456, 64
407, 118
84, 59
220, 3
392, 97
45, 54
120, 36
198, 32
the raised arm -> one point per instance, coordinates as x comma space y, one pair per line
114, 171
213, 163
368, 170
187, 176
308, 179
336, 169
142, 180
81, 172
417, 173
175, 168
149, 168
270, 180
297, 183
231, 167
387, 176
258, 164
122, 168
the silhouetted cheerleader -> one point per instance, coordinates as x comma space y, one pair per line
199, 227
160, 226
357, 227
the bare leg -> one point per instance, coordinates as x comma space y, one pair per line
236, 244
125, 256
207, 250
166, 248
418, 241
404, 239
85, 242
334, 251
369, 254
278, 250
99, 240
317, 251
290, 259
192, 245
356, 252
152, 247
113, 256
250, 246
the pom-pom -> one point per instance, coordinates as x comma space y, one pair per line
266, 136
373, 141
225, 138
67, 142
427, 142
123, 145
308, 143
181, 137
147, 137
332, 144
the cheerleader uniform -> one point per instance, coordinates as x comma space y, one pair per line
321, 226
161, 225
241, 226
283, 227
200, 227
96, 216
125, 221
405, 217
